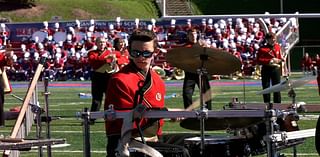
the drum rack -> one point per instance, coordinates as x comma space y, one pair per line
271, 136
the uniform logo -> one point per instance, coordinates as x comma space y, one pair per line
158, 96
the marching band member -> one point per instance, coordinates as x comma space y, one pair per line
103, 64
191, 79
269, 56
5, 60
306, 64
120, 48
137, 84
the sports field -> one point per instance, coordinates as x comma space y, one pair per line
64, 102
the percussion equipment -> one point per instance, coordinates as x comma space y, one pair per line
80, 36
287, 84
218, 146
215, 61
60, 37
255, 134
165, 151
27, 144
223, 122
40, 35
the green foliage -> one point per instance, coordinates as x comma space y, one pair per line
44, 10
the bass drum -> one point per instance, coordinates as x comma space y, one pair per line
255, 134
60, 37
217, 146
40, 36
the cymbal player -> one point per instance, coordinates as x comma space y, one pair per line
191, 79
269, 56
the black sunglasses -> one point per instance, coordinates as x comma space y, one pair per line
137, 53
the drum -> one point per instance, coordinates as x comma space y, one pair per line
165, 151
217, 146
60, 36
40, 35
287, 121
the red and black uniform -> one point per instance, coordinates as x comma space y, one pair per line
99, 80
4, 61
317, 64
306, 63
123, 94
189, 83
122, 59
270, 71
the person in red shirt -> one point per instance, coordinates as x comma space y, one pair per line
120, 48
306, 63
269, 56
136, 84
102, 62
5, 60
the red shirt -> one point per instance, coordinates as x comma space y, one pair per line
121, 92
266, 53
97, 59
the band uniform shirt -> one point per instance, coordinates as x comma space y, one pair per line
266, 53
121, 93
97, 59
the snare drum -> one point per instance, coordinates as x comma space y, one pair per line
217, 146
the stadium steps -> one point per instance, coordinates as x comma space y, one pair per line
178, 7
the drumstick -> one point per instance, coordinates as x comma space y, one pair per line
206, 97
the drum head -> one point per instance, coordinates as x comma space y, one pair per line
41, 35
80, 36
60, 36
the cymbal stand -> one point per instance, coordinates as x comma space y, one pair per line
271, 117
48, 118
203, 113
292, 95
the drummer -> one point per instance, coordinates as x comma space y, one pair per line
191, 79
137, 84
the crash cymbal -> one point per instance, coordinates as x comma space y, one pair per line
287, 84
222, 123
215, 61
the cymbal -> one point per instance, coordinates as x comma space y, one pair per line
215, 61
213, 123
287, 84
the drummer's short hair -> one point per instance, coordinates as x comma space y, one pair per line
144, 35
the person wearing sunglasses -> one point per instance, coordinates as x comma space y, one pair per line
136, 84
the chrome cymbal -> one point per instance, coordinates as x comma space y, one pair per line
287, 84
214, 61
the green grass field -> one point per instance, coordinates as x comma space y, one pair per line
83, 10
65, 102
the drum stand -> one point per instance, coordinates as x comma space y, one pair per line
203, 112
271, 117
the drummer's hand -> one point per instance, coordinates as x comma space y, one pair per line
275, 60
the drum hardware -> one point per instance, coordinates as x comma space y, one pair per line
202, 60
26, 144
112, 114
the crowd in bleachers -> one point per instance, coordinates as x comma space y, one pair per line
66, 48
